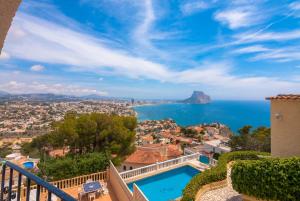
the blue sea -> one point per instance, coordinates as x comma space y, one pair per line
234, 114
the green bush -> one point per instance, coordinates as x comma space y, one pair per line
216, 173
72, 166
270, 179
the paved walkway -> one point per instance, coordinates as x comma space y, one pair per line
222, 194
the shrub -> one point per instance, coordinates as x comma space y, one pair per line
270, 179
216, 173
71, 166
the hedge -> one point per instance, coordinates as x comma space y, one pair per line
217, 173
270, 179
72, 166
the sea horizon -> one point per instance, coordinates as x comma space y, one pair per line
233, 113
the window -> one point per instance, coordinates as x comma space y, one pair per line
130, 168
124, 167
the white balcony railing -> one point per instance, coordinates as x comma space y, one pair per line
187, 151
157, 166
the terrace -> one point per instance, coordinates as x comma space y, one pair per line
159, 180
117, 186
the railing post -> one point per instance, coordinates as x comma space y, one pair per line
3, 179
11, 172
19, 187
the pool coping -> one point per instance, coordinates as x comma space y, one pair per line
142, 176
194, 164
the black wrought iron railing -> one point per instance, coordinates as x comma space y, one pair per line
10, 191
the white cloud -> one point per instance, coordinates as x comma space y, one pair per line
239, 17
52, 43
4, 56
219, 76
144, 34
194, 6
37, 68
295, 6
250, 49
279, 55
268, 36
42, 41
57, 88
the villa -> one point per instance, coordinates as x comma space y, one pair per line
150, 154
285, 115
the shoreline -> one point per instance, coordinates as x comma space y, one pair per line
223, 112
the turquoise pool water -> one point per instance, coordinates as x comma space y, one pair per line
28, 165
167, 185
204, 159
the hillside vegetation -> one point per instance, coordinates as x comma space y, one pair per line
82, 134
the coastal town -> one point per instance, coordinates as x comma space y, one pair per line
20, 122
19, 118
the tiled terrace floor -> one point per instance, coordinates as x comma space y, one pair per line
107, 197
222, 194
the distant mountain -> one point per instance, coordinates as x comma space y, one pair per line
3, 93
37, 97
93, 97
198, 97
50, 97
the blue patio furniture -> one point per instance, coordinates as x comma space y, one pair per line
92, 187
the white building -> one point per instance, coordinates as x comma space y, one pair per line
216, 146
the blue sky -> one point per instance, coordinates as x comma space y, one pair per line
237, 49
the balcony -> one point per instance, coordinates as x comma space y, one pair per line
17, 183
21, 185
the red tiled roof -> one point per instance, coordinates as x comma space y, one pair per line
150, 154
147, 138
285, 97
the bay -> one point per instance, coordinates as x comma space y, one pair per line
234, 114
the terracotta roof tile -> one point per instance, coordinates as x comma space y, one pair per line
285, 97
150, 154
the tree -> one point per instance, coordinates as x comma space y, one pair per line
188, 132
86, 133
258, 139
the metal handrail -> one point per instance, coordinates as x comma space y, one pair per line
29, 177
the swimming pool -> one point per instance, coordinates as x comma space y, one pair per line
28, 165
204, 159
167, 185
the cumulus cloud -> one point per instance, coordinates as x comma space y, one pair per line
37, 68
